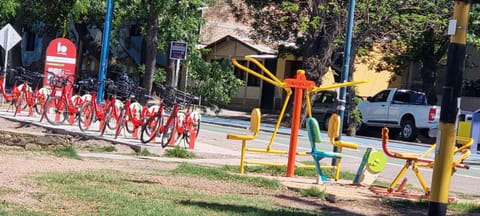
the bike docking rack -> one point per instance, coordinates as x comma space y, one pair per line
299, 84
185, 117
416, 161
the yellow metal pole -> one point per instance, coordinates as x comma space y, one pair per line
280, 117
442, 169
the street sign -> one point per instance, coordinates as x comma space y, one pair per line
60, 60
9, 37
178, 50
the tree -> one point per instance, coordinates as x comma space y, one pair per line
214, 82
8, 11
161, 21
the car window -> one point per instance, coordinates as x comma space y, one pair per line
418, 98
401, 97
381, 96
326, 98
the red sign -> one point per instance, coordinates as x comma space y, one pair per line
60, 60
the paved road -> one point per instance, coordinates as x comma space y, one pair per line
212, 141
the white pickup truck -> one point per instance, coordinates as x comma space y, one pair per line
402, 109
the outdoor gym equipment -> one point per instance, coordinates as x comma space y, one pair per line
417, 161
314, 138
333, 134
255, 120
299, 83
373, 162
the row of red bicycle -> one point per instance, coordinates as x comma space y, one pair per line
170, 122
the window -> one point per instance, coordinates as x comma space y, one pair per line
239, 73
252, 79
401, 97
30, 41
381, 96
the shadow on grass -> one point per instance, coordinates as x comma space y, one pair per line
251, 210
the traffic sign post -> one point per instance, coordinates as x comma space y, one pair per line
8, 39
178, 51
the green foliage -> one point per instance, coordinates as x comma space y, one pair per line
159, 75
8, 10
281, 170
466, 207
94, 148
313, 192
355, 115
146, 152
68, 152
178, 152
117, 193
223, 175
213, 81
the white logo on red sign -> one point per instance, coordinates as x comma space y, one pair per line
61, 49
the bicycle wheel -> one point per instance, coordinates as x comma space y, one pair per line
85, 117
150, 128
168, 132
181, 129
38, 107
114, 112
56, 110
19, 104
121, 123
108, 116
135, 115
195, 126
110, 119
40, 100
129, 125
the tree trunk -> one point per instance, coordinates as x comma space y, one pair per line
317, 56
429, 67
152, 46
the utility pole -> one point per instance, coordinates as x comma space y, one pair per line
442, 170
346, 71
104, 54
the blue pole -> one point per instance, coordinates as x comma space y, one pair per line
346, 70
104, 54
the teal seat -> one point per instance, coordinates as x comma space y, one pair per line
314, 138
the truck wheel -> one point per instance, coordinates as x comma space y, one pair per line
409, 131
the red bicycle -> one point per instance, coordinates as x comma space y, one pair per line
179, 123
23, 93
153, 126
91, 112
188, 122
60, 107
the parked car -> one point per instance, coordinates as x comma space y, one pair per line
402, 109
324, 104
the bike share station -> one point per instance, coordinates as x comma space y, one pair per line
56, 102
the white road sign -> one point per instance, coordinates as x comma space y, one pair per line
9, 37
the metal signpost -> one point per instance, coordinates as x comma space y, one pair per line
8, 39
178, 51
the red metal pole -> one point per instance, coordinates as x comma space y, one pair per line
292, 152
